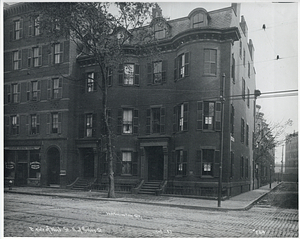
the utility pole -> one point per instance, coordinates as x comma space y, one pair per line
222, 99
282, 164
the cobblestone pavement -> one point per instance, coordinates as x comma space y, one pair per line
44, 216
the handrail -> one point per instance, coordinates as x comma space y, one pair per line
72, 184
137, 189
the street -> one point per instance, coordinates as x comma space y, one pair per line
44, 216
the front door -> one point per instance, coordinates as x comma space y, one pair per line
53, 157
155, 163
88, 163
22, 174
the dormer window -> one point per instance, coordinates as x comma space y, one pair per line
159, 31
198, 20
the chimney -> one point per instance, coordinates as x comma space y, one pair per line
244, 27
236, 8
156, 11
251, 49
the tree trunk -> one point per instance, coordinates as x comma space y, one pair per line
107, 133
111, 178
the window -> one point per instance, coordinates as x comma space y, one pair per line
89, 125
126, 162
129, 74
244, 58
181, 162
127, 121
35, 164
17, 60
57, 53
156, 72
231, 164
91, 82
233, 69
14, 124
248, 97
242, 167
17, 30
181, 117
246, 168
36, 26
56, 24
15, 93
243, 89
37, 56
207, 161
247, 135
241, 49
181, 68
55, 123
159, 31
56, 88
232, 120
209, 115
198, 20
210, 61
155, 122
242, 130
249, 69
34, 124
34, 87
109, 76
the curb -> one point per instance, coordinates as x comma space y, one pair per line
260, 197
146, 203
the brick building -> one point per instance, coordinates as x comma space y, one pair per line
165, 111
291, 154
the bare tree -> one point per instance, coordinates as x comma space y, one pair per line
266, 138
103, 31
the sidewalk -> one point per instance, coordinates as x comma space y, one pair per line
243, 201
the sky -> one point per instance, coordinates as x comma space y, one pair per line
279, 38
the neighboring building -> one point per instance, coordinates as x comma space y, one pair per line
291, 154
38, 102
165, 112
264, 151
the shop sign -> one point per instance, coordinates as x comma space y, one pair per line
10, 165
35, 165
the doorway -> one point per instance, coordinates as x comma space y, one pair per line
22, 174
155, 157
88, 163
53, 157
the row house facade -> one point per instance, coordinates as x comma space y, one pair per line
165, 111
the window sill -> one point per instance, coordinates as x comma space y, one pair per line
207, 176
208, 130
182, 78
